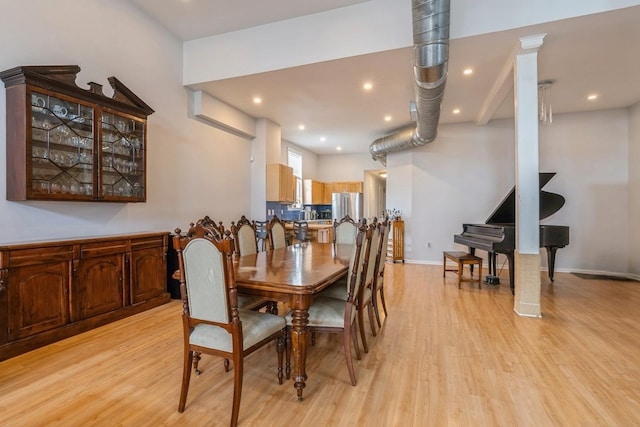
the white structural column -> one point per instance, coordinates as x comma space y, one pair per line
527, 252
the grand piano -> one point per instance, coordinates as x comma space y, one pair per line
498, 234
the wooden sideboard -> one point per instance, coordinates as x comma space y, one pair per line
55, 289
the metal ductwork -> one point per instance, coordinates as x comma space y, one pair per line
431, 53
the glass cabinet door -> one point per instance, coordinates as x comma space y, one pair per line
61, 150
122, 157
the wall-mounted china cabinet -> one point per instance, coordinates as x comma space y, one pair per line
69, 143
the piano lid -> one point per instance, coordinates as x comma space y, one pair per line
550, 203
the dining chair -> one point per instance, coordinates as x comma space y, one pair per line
365, 299
344, 231
335, 316
378, 287
215, 227
244, 237
212, 322
246, 301
277, 233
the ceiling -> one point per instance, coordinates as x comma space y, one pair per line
590, 54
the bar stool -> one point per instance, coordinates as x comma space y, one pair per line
261, 234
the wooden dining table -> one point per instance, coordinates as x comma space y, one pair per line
294, 275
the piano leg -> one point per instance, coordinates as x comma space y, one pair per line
472, 251
551, 259
493, 266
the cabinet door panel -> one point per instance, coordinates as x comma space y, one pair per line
99, 286
37, 298
147, 275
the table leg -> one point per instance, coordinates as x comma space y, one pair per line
300, 320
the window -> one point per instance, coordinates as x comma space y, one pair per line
294, 160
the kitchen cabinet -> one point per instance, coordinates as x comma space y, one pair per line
314, 192
342, 187
326, 194
53, 290
355, 186
281, 183
69, 143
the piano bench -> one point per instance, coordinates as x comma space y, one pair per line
461, 259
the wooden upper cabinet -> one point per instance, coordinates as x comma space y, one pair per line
280, 183
355, 186
313, 193
69, 143
342, 187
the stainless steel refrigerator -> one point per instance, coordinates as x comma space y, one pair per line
346, 204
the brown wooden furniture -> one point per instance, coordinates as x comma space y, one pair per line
365, 299
244, 237
379, 283
397, 240
294, 274
461, 259
345, 230
281, 183
53, 290
277, 233
313, 192
68, 143
212, 322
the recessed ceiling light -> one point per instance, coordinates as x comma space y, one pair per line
257, 100
301, 126
382, 174
367, 86
467, 71
592, 97
323, 139
387, 118
339, 148
456, 111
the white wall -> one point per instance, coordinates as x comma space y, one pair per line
463, 175
309, 159
189, 172
345, 167
634, 190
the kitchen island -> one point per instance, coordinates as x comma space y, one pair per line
320, 230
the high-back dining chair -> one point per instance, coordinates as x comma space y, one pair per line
217, 228
338, 316
344, 231
212, 322
244, 236
246, 301
378, 286
277, 234
365, 299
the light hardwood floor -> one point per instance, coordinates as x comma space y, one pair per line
444, 357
